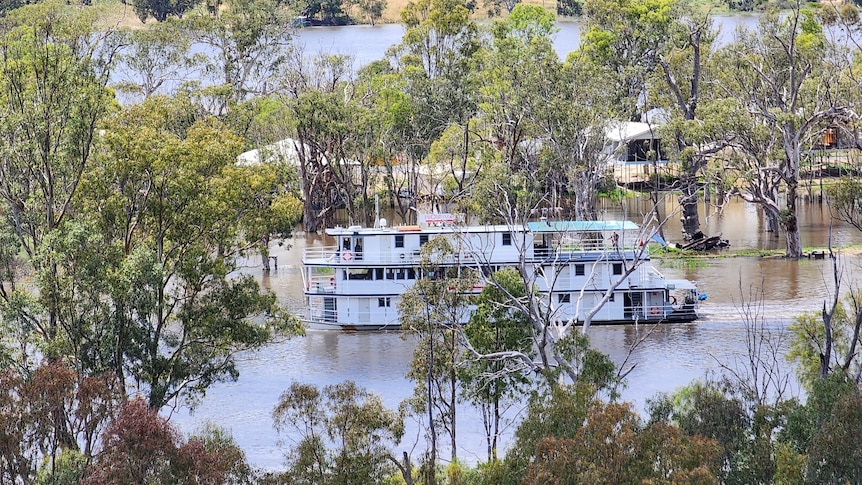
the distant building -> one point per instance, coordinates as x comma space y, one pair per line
634, 152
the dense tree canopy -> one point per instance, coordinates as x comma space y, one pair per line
126, 230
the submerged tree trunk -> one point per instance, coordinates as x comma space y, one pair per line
790, 222
688, 201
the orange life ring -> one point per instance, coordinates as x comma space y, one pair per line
347, 256
654, 311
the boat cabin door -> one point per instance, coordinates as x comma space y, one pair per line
633, 305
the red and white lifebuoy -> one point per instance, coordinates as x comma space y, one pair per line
654, 311
347, 256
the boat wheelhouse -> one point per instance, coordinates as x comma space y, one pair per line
358, 282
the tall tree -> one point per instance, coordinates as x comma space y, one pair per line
685, 68
319, 95
626, 38
391, 112
160, 10
345, 435
434, 309
494, 327
168, 204
155, 60
247, 44
435, 61
787, 78
52, 85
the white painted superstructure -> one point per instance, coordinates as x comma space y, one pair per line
358, 283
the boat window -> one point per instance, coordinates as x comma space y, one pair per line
507, 239
411, 273
384, 302
390, 274
346, 244
423, 238
399, 240
618, 268
359, 274
401, 274
357, 247
579, 270
611, 297
378, 273
564, 298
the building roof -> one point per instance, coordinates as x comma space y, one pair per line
623, 131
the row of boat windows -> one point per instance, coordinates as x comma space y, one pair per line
355, 243
380, 274
567, 297
386, 302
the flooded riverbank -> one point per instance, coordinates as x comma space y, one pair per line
665, 356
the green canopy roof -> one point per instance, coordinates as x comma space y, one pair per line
581, 226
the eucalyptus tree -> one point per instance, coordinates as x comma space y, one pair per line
515, 71
336, 133
659, 58
694, 116
161, 10
754, 145
433, 310
626, 38
345, 435
845, 201
381, 89
496, 326
371, 9
246, 45
165, 207
53, 75
787, 77
154, 60
435, 60
574, 126
544, 118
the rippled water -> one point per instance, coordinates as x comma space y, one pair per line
666, 357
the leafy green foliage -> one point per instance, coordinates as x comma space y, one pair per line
433, 309
160, 10
52, 83
246, 44
612, 447
808, 346
170, 206
845, 200
496, 327
344, 434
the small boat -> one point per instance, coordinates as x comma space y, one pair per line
357, 283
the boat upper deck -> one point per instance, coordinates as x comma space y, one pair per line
540, 241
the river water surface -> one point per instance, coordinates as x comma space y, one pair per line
666, 357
